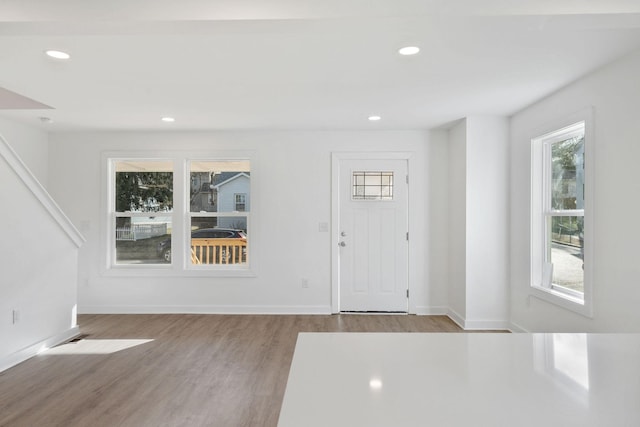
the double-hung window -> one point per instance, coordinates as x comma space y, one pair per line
142, 210
559, 231
218, 226
179, 216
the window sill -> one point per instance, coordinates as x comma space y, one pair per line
569, 302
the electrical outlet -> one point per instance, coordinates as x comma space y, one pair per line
305, 283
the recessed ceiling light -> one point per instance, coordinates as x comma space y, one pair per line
168, 119
57, 54
375, 384
409, 50
374, 118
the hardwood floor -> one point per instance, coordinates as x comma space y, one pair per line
197, 370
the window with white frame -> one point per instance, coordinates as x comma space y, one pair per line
218, 213
141, 210
559, 193
201, 226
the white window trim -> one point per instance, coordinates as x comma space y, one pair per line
111, 214
540, 210
178, 268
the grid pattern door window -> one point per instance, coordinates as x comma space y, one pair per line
372, 185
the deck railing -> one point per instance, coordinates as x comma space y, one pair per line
218, 251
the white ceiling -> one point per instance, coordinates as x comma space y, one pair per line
298, 64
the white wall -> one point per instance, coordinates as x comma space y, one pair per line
435, 204
487, 221
39, 264
292, 177
478, 222
613, 92
457, 180
31, 144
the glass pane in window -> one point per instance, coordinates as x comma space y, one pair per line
214, 185
218, 240
143, 186
567, 169
567, 252
143, 240
372, 186
241, 202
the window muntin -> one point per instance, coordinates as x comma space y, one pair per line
142, 210
372, 185
241, 202
218, 228
558, 213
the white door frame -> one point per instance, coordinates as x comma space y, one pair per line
336, 157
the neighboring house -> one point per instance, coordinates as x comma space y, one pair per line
232, 192
221, 192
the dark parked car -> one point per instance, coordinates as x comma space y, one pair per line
164, 247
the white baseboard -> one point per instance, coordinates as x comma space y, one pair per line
275, 310
486, 325
473, 325
514, 327
453, 315
28, 352
203, 309
431, 311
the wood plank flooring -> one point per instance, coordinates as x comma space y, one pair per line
198, 370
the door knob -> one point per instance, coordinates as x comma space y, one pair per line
343, 244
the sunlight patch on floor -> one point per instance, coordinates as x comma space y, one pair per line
97, 346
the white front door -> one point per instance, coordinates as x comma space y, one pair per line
373, 235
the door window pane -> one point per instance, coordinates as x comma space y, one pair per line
372, 185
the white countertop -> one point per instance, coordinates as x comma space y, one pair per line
481, 379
